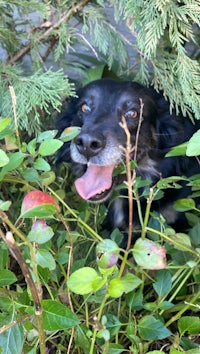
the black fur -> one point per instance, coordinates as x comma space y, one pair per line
104, 102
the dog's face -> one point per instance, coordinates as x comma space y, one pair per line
98, 149
100, 145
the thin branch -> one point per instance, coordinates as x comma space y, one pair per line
14, 104
138, 129
66, 16
130, 179
88, 43
36, 295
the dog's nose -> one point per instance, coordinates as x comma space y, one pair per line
89, 145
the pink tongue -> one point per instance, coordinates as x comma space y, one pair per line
95, 180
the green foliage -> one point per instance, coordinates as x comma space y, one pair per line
111, 302
154, 42
166, 32
81, 291
34, 94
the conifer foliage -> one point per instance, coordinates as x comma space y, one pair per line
45, 44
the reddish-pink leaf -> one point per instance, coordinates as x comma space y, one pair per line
38, 204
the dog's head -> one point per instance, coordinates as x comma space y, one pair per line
98, 149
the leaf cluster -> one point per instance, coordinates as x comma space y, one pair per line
80, 284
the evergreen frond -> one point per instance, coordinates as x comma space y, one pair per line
34, 94
104, 36
163, 29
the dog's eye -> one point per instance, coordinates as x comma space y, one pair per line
85, 108
131, 114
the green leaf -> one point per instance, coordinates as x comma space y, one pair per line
41, 164
57, 316
94, 73
5, 205
156, 352
152, 329
7, 277
4, 159
130, 282
40, 211
176, 351
47, 178
149, 255
70, 133
115, 288
81, 338
190, 351
40, 232
181, 240
48, 147
114, 349
81, 281
134, 299
45, 259
112, 324
4, 122
163, 282
165, 305
98, 283
48, 134
30, 174
170, 182
193, 148
179, 150
184, 204
189, 324
31, 147
15, 161
12, 340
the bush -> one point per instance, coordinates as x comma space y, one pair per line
83, 292
66, 286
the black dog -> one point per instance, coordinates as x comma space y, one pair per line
96, 151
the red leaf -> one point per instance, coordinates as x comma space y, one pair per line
37, 202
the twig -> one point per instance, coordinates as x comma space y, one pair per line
14, 104
128, 151
35, 288
89, 45
130, 178
66, 16
12, 324
138, 129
